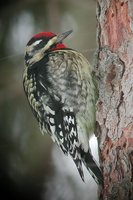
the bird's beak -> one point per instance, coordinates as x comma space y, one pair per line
62, 36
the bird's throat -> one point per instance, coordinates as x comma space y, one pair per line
58, 47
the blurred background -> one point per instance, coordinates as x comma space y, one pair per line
31, 167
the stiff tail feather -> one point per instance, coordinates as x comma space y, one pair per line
92, 166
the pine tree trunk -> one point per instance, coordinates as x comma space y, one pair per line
115, 105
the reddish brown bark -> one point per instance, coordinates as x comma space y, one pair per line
115, 105
117, 24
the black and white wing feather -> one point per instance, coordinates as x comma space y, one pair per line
60, 122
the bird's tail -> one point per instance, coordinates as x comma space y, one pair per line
92, 166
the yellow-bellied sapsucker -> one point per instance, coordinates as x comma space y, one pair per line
59, 85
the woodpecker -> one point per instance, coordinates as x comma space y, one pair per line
59, 84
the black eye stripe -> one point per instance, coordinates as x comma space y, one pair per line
39, 46
27, 56
44, 40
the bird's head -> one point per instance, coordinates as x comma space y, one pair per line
42, 43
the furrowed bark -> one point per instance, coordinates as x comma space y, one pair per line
115, 104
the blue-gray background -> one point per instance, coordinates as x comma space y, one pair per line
30, 167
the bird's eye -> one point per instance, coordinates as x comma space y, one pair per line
38, 45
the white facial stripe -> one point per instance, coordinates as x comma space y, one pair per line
31, 47
37, 42
46, 47
36, 56
50, 43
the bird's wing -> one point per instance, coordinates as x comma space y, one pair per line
59, 119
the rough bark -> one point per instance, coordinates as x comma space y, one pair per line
115, 105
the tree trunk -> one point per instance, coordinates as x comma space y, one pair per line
115, 104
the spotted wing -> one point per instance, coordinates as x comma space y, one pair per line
60, 122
